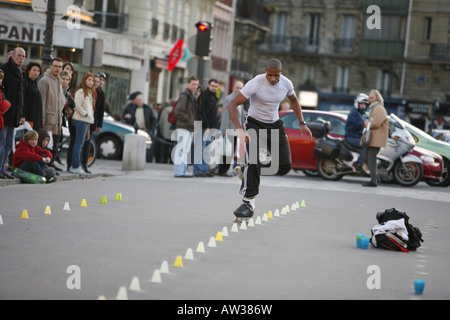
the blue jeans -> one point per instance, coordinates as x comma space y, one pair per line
356, 143
181, 151
180, 154
200, 165
6, 141
36, 167
81, 128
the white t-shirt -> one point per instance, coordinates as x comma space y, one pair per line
265, 98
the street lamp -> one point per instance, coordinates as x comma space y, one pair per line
48, 35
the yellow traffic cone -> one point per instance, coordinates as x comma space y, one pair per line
83, 203
118, 197
47, 210
178, 262
25, 214
302, 204
219, 237
103, 200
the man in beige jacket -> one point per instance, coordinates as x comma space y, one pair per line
53, 101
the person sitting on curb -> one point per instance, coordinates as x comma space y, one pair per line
32, 158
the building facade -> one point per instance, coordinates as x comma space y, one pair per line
338, 48
138, 37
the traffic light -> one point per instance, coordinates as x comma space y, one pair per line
203, 38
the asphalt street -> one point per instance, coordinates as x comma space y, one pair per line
96, 251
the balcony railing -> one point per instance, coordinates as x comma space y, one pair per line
440, 51
344, 46
391, 7
293, 44
384, 48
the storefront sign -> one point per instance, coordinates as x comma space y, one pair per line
161, 64
421, 108
20, 32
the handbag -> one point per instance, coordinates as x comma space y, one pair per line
365, 139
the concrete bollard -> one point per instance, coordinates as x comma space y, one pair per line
134, 152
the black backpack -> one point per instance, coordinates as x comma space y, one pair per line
415, 236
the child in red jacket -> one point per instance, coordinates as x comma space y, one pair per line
32, 158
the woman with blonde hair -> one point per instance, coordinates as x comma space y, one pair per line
83, 115
379, 132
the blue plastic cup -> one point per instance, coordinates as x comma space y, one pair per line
365, 243
358, 239
419, 286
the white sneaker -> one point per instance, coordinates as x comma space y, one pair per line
77, 171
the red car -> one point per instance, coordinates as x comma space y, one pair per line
302, 147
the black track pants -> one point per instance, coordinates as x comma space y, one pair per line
281, 162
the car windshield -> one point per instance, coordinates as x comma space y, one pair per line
417, 132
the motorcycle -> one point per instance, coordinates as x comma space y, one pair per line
336, 156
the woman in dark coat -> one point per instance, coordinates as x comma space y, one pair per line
32, 111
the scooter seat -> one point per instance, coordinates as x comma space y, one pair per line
352, 148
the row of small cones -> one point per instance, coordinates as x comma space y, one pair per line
164, 269
48, 210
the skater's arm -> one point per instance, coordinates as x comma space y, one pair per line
232, 109
298, 112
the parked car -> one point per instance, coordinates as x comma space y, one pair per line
111, 138
442, 148
302, 147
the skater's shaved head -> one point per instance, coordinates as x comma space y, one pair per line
274, 64
273, 71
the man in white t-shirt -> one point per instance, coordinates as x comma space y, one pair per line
265, 91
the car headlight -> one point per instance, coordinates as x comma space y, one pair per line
426, 158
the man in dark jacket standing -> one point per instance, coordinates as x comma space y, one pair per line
208, 107
208, 115
13, 89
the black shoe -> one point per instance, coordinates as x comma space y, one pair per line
245, 210
8, 176
85, 169
51, 180
358, 166
369, 184
200, 175
226, 174
56, 168
185, 176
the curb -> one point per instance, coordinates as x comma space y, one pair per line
61, 177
